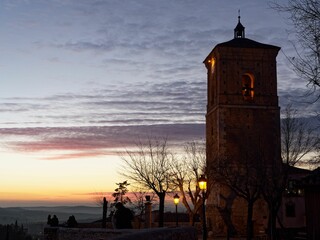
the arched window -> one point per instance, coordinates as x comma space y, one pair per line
212, 63
247, 86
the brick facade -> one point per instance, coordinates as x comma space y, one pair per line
242, 123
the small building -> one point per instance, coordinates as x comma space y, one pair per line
311, 187
292, 213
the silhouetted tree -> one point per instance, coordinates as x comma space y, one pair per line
138, 202
120, 193
315, 161
305, 18
241, 176
272, 191
98, 198
245, 180
186, 173
298, 139
149, 166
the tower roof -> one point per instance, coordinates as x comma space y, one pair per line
245, 43
239, 41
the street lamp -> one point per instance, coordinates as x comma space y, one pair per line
202, 182
176, 202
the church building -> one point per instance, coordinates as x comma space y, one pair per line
242, 130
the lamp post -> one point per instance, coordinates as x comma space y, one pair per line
104, 213
202, 181
176, 202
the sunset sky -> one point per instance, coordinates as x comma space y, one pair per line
81, 80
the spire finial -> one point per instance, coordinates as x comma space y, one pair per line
239, 30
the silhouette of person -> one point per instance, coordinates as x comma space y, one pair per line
49, 222
72, 222
122, 217
54, 221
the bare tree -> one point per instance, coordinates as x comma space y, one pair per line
297, 138
272, 191
240, 175
305, 18
244, 178
138, 202
315, 161
149, 166
187, 172
98, 198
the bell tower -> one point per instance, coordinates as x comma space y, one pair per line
243, 116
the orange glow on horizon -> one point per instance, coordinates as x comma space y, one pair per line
27, 178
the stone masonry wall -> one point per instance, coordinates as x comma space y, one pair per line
180, 233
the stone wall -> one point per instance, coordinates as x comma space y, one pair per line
182, 233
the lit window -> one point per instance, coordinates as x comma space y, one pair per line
211, 62
247, 87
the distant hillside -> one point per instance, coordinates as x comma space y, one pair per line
27, 215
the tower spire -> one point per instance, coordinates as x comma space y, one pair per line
239, 30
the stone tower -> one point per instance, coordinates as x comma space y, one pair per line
242, 122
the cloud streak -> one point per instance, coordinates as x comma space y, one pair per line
79, 142
177, 102
95, 75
